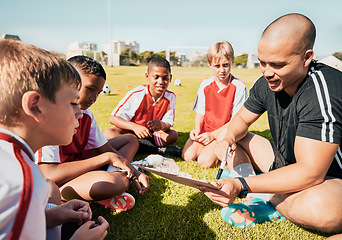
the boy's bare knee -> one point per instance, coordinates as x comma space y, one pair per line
188, 156
205, 162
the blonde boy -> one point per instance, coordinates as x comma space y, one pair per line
218, 100
38, 96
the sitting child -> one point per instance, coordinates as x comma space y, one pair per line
218, 99
37, 90
77, 168
148, 111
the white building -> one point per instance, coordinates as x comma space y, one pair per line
252, 61
114, 48
86, 49
332, 61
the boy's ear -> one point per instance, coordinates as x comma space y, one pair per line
31, 104
170, 77
146, 76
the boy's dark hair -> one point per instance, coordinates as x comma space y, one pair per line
23, 68
87, 65
159, 62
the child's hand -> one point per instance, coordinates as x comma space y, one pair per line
76, 211
91, 231
143, 180
141, 131
205, 138
193, 134
155, 125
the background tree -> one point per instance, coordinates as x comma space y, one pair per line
338, 55
241, 60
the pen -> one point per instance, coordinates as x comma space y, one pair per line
223, 164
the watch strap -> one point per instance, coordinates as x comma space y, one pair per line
244, 187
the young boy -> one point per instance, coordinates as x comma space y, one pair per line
37, 90
76, 168
218, 100
148, 111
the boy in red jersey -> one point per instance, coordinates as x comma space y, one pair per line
77, 168
218, 99
148, 111
37, 90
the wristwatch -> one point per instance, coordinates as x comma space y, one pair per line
244, 187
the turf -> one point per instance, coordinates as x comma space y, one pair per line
170, 210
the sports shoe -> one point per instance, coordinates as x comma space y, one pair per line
173, 151
123, 202
250, 213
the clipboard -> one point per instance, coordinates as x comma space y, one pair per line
179, 179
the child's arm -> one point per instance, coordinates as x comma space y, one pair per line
140, 131
140, 180
64, 172
198, 125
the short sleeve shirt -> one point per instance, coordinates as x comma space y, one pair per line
139, 106
315, 112
217, 105
23, 190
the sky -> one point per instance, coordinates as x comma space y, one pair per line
156, 24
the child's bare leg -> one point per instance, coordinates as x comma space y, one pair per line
55, 195
113, 132
191, 150
95, 185
207, 158
127, 145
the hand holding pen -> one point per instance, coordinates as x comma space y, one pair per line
223, 164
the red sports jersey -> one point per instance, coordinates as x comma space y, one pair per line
219, 105
138, 106
88, 136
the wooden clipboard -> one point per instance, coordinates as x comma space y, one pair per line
179, 179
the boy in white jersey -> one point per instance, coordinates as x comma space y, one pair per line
37, 90
148, 111
218, 99
78, 168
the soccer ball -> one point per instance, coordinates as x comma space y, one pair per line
105, 90
177, 82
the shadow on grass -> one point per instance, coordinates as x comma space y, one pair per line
152, 219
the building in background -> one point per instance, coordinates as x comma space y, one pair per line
114, 48
252, 61
10, 36
332, 61
86, 49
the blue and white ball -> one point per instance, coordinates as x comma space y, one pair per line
105, 90
178, 82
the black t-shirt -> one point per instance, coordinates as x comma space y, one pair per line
315, 112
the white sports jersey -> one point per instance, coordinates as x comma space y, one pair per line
23, 191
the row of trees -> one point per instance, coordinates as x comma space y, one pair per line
129, 57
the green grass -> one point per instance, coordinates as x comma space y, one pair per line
170, 210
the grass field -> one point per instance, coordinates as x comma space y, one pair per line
170, 210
